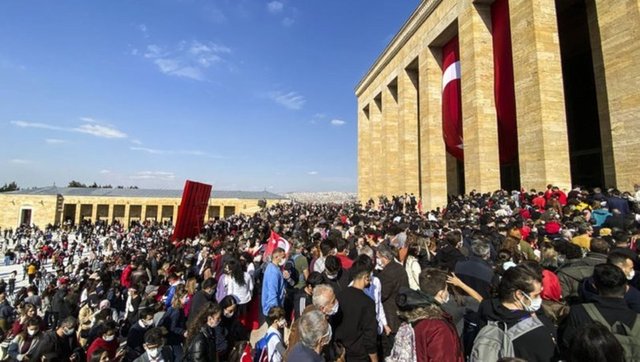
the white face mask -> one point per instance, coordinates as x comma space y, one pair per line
32, 332
534, 305
445, 300
631, 275
282, 262
228, 315
108, 338
282, 323
153, 353
334, 309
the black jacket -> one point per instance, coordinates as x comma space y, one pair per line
203, 347
612, 309
535, 345
392, 278
356, 325
200, 298
477, 274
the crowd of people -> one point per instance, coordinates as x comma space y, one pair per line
520, 276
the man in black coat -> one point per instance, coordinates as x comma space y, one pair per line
611, 284
201, 298
393, 276
356, 325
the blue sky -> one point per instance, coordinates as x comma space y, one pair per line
242, 94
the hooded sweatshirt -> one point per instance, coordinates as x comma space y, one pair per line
536, 345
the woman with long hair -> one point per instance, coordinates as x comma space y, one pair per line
25, 342
230, 331
175, 322
201, 336
237, 283
192, 287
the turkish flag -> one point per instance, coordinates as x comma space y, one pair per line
452, 99
246, 354
276, 241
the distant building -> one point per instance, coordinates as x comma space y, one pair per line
55, 205
489, 94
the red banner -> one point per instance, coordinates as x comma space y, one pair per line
451, 99
193, 208
504, 83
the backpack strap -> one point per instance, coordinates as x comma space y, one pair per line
635, 331
523, 327
595, 315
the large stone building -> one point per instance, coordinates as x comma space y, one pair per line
54, 205
575, 94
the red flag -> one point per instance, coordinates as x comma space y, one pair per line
452, 99
504, 84
276, 241
246, 354
420, 206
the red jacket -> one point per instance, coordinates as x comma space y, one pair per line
345, 261
99, 343
125, 278
437, 340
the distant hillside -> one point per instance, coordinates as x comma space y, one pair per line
322, 197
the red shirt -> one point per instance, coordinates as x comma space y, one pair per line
345, 261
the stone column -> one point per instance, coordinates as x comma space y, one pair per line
379, 180
110, 213
479, 124
175, 214
127, 214
408, 130
542, 122
143, 212
391, 155
76, 218
363, 156
433, 154
618, 29
94, 213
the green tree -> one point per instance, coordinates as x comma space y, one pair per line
75, 183
12, 186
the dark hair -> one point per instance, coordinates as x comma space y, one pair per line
210, 283
145, 313
235, 271
275, 313
96, 355
609, 280
208, 310
363, 265
326, 246
618, 257
228, 301
341, 244
514, 279
154, 337
452, 238
599, 245
332, 264
533, 266
594, 343
432, 281
314, 279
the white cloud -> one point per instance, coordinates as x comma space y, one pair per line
19, 161
25, 124
54, 141
187, 59
288, 21
275, 7
312, 173
100, 131
337, 122
104, 172
90, 127
154, 151
153, 175
291, 100
136, 142
145, 31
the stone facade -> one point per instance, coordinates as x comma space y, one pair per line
400, 143
55, 209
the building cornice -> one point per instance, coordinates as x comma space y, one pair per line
409, 28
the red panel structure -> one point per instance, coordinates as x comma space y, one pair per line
195, 199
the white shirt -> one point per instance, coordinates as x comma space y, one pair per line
242, 292
275, 347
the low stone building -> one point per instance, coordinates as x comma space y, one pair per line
55, 205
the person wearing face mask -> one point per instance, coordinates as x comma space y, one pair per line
517, 304
201, 341
315, 333
275, 345
273, 287
107, 341
135, 337
154, 348
230, 331
24, 344
60, 342
436, 337
334, 274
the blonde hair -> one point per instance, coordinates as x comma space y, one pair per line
180, 293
